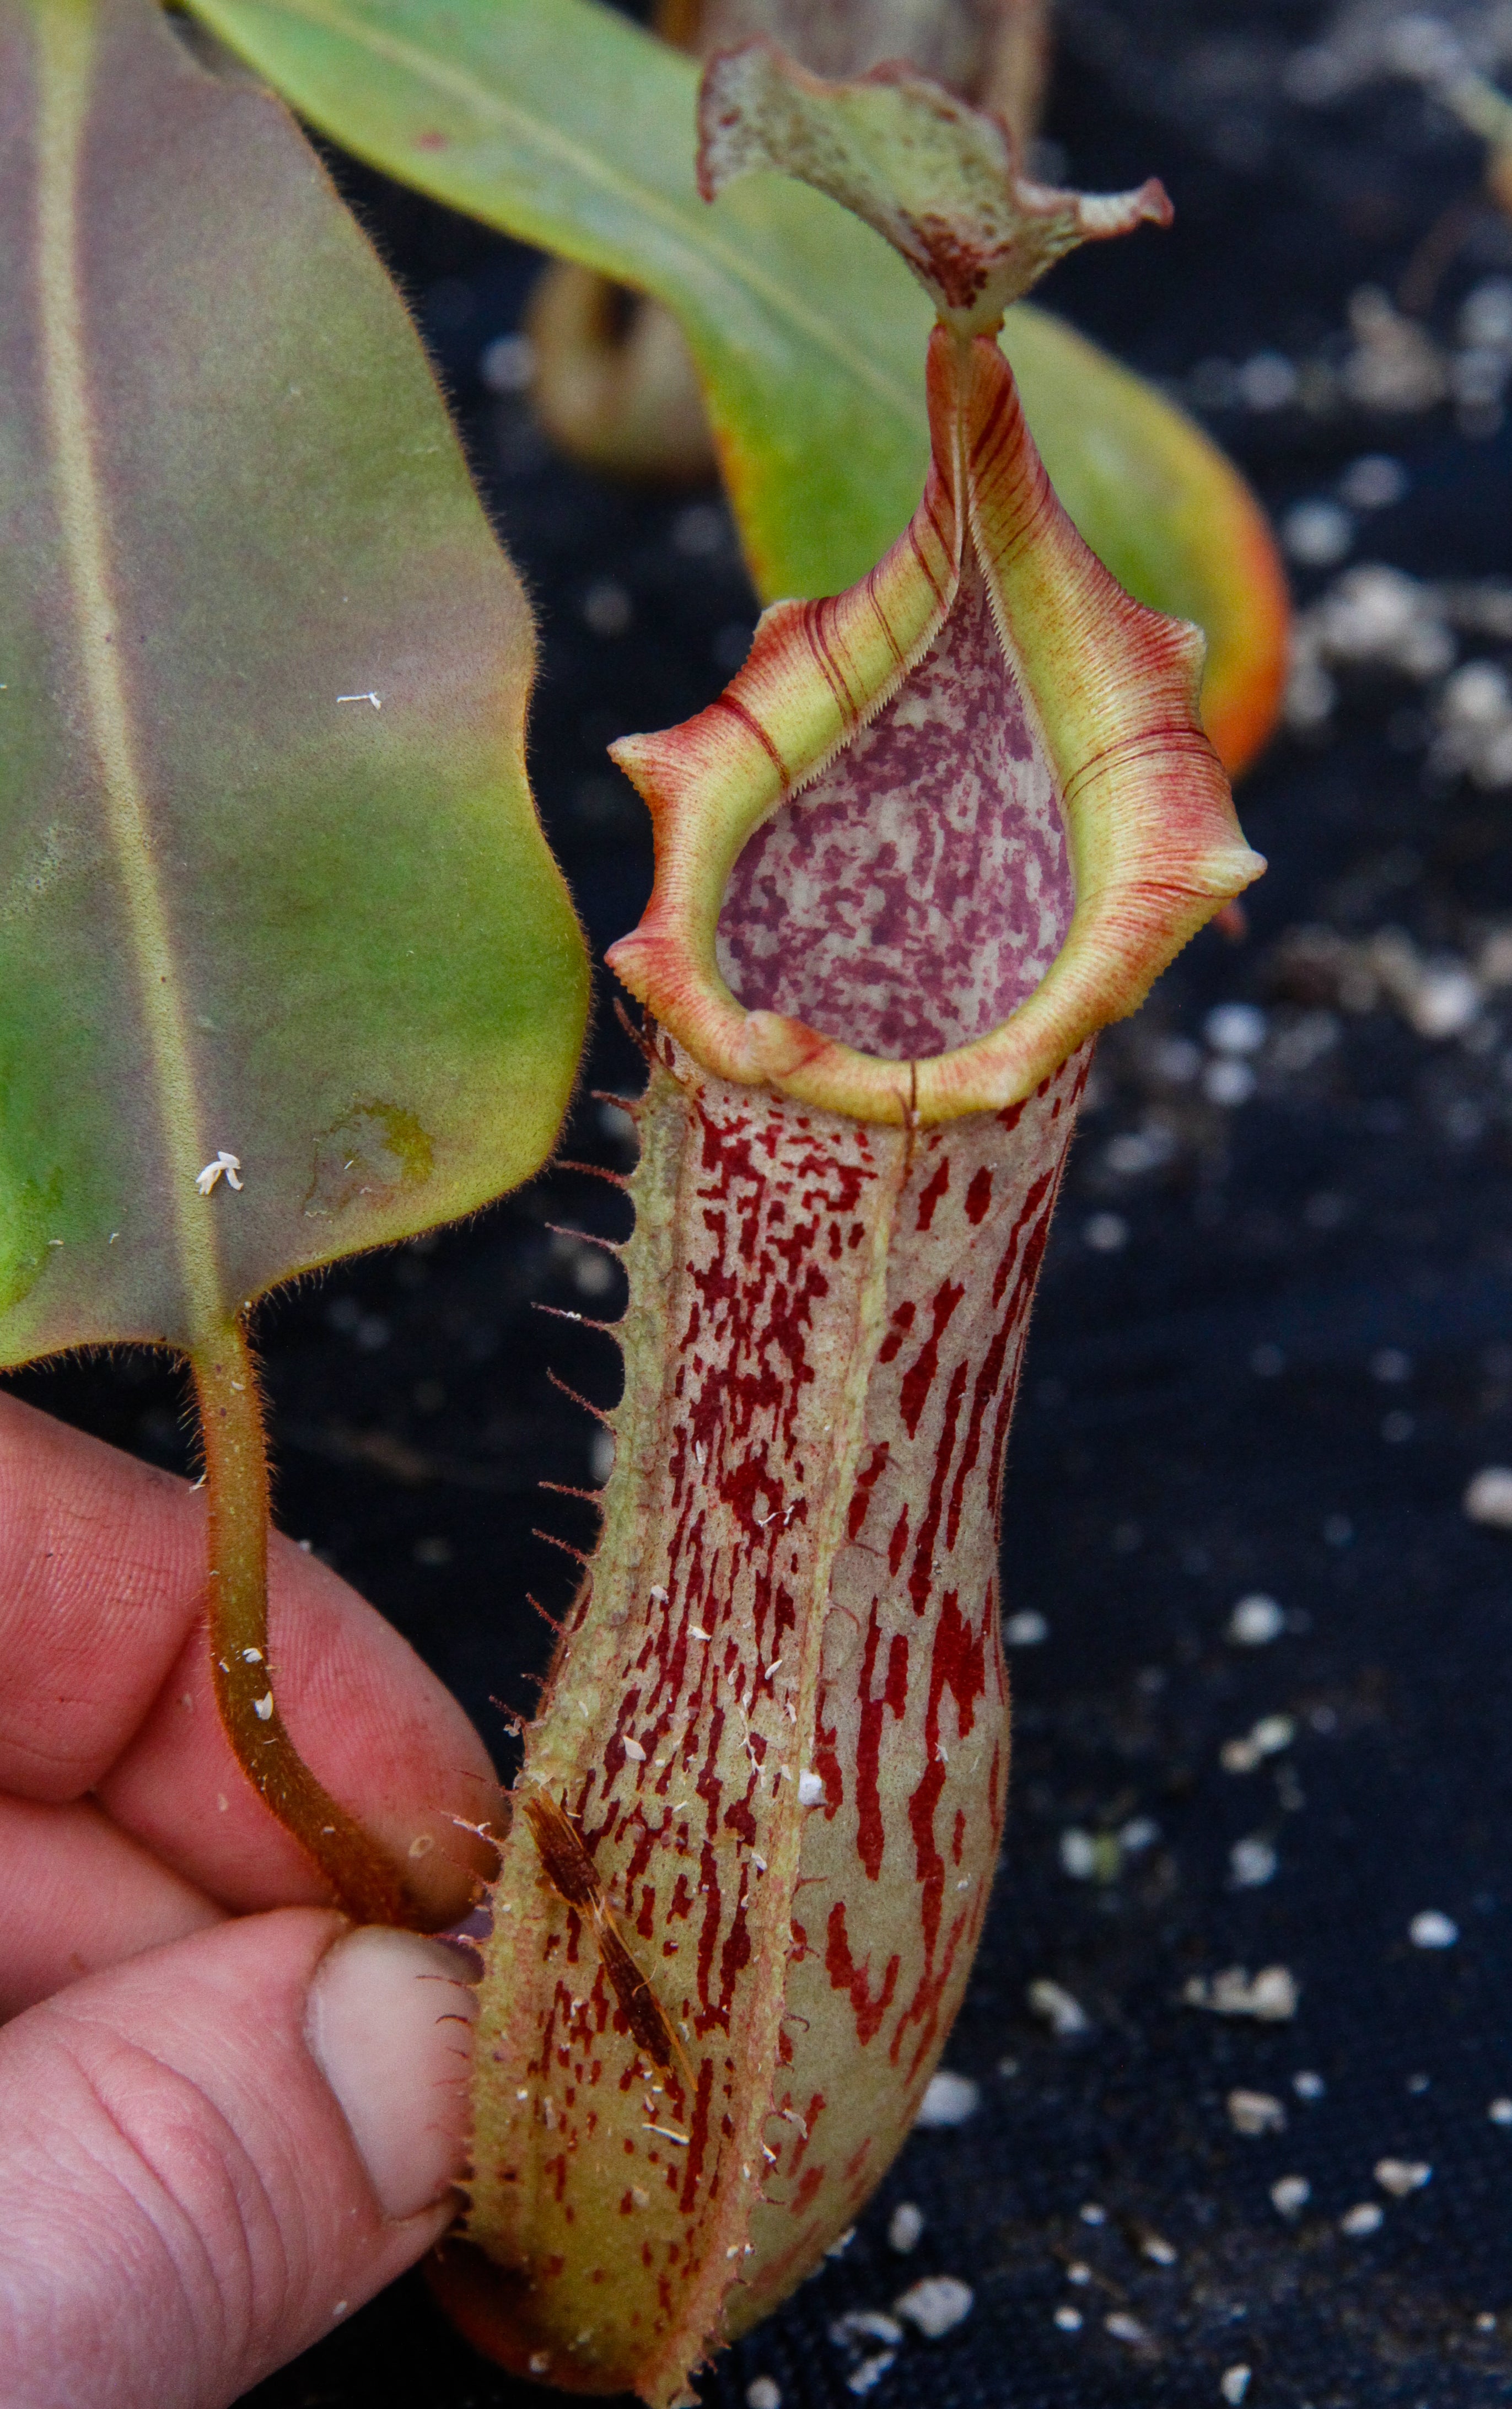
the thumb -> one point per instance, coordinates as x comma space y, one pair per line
212, 2152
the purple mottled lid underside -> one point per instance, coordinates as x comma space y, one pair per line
918, 892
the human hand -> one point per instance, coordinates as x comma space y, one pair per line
226, 2119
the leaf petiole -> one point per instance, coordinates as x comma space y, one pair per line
368, 1883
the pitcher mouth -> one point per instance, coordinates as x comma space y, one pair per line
896, 956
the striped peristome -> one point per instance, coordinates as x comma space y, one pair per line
934, 834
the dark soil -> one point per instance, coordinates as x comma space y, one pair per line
1273, 1344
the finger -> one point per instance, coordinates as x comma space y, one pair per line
102, 1575
76, 1895
102, 1570
211, 2156
377, 1728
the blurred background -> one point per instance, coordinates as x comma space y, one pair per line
1231, 2115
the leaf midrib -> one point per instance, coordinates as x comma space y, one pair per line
65, 62
455, 85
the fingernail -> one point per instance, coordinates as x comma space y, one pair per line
381, 2023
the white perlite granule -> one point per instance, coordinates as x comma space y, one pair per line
864, 2378
1124, 2327
1488, 1498
865, 2325
1255, 2112
949, 2100
1400, 2176
1255, 1622
936, 2305
1270, 1996
1252, 1862
1056, 2007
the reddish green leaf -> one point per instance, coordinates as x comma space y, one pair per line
270, 878
288, 968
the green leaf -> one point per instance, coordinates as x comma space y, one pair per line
567, 126
271, 878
